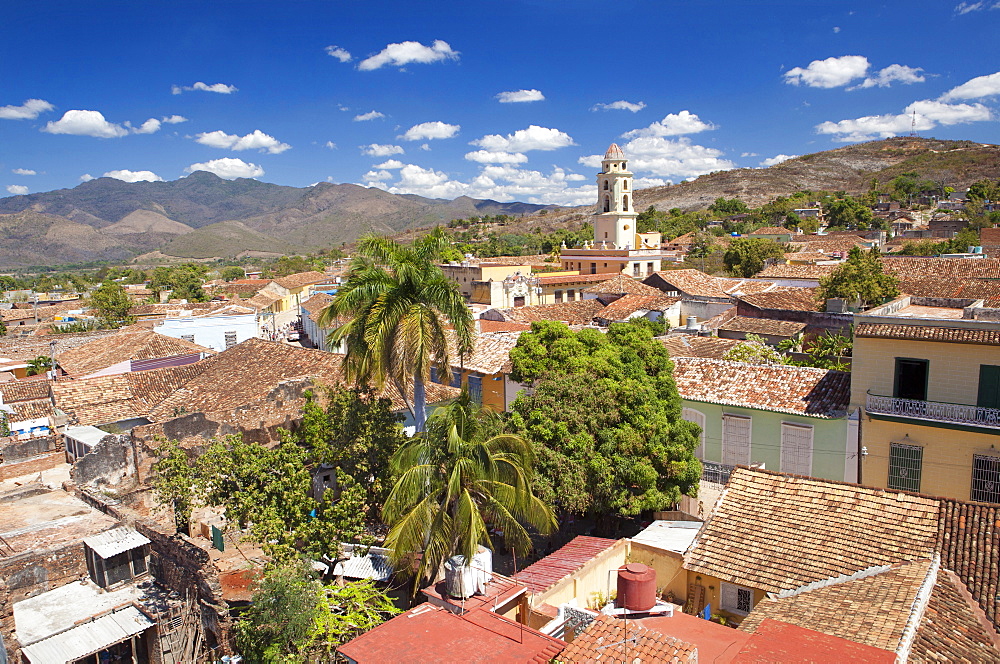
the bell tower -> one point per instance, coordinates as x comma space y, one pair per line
615, 220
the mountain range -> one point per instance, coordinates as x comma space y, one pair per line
204, 216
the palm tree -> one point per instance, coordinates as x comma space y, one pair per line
396, 303
39, 365
453, 480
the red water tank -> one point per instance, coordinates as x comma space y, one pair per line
636, 587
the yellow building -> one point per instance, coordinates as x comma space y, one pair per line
927, 374
485, 372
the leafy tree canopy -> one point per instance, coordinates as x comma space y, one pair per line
112, 304
725, 207
745, 256
604, 417
860, 279
232, 273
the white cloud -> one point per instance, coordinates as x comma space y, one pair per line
85, 123
24, 171
620, 105
829, 73
497, 182
150, 126
403, 53
643, 183
836, 29
487, 157
86, 177
174, 119
520, 96
967, 7
377, 150
674, 124
331, 145
391, 164
370, 115
777, 159
891, 74
376, 176
749, 154
668, 158
134, 176
920, 116
341, 54
29, 110
221, 88
980, 86
17, 189
523, 140
257, 140
227, 168
429, 130
426, 147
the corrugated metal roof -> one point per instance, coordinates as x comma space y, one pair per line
673, 536
551, 569
375, 565
115, 541
89, 638
87, 434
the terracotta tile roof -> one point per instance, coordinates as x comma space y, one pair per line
690, 345
34, 409
545, 573
905, 266
784, 299
689, 282
746, 286
970, 547
795, 271
771, 230
262, 300
622, 284
784, 389
779, 328
715, 321
953, 627
779, 532
828, 245
30, 347
8, 315
490, 354
24, 390
624, 307
300, 279
575, 278
429, 633
873, 610
579, 312
317, 302
488, 326
609, 639
125, 345
235, 288
953, 335
533, 260
803, 255
776, 641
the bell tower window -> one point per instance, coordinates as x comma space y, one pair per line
625, 203
625, 185
605, 185
607, 204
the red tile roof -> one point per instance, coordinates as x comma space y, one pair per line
545, 573
953, 335
689, 345
624, 307
575, 278
779, 388
716, 643
127, 344
429, 633
622, 284
490, 326
579, 312
609, 639
778, 328
772, 230
795, 271
785, 299
300, 279
776, 641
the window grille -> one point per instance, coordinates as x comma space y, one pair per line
986, 478
796, 449
188, 337
735, 440
456, 378
230, 339
476, 388
737, 599
905, 462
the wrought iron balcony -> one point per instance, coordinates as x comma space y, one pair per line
935, 411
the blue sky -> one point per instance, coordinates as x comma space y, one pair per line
509, 100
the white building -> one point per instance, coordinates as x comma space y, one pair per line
215, 332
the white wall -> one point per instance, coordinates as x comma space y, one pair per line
210, 331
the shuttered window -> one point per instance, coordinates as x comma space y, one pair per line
796, 449
230, 339
692, 415
735, 440
905, 464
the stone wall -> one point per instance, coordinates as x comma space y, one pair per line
111, 464
12, 450
32, 466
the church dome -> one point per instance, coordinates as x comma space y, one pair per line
614, 152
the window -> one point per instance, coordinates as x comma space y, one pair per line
625, 203
905, 462
456, 378
735, 440
605, 185
989, 386
570, 295
230, 339
736, 599
986, 478
558, 296
593, 268
519, 301
698, 417
607, 204
636, 269
796, 449
625, 185
188, 337
649, 268
434, 375
476, 388
911, 379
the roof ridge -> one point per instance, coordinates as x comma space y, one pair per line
832, 581
918, 609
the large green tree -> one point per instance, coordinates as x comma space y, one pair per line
454, 481
112, 305
604, 416
745, 256
849, 212
397, 303
860, 280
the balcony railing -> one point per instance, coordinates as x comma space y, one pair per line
716, 472
936, 411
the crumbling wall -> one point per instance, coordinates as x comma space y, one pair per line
111, 464
13, 450
33, 465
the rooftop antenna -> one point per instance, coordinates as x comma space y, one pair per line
913, 125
